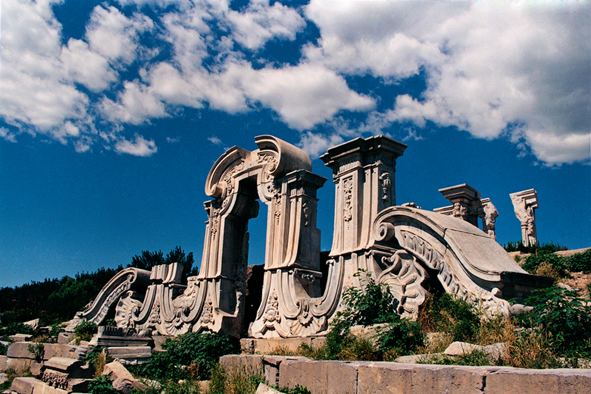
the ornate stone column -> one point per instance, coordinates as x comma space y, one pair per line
364, 176
525, 203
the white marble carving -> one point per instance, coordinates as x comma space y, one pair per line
468, 206
399, 246
525, 203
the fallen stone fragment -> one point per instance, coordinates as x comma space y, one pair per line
125, 385
117, 371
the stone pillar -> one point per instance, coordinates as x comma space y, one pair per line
525, 203
363, 173
466, 203
490, 217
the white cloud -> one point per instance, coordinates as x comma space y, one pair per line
7, 135
136, 105
35, 92
316, 144
140, 147
489, 65
304, 95
87, 67
114, 36
215, 140
261, 22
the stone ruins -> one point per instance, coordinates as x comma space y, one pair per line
405, 247
525, 203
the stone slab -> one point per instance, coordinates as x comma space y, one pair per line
328, 377
63, 364
249, 363
34, 386
115, 371
50, 350
264, 389
420, 379
526, 381
63, 338
16, 364
128, 352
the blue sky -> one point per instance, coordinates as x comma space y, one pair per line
113, 112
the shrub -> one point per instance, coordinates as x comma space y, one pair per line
101, 385
3, 349
202, 350
37, 350
85, 330
558, 263
16, 328
368, 305
451, 315
238, 381
563, 317
580, 262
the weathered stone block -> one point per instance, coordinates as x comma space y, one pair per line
125, 385
385, 377
17, 364
527, 381
34, 386
115, 371
249, 363
329, 377
20, 337
128, 352
63, 338
36, 369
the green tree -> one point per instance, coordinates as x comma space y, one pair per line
146, 260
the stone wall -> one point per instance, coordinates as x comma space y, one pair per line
328, 377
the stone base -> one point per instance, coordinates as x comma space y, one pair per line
359, 377
267, 346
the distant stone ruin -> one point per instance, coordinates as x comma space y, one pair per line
405, 247
525, 203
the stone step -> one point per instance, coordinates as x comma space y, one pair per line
33, 386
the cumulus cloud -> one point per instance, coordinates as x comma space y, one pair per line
114, 36
140, 146
489, 66
498, 70
261, 22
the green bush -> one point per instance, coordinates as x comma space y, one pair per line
558, 263
3, 350
370, 304
101, 385
564, 317
199, 351
580, 262
451, 315
85, 330
16, 328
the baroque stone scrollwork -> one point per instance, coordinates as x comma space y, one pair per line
404, 277
401, 246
